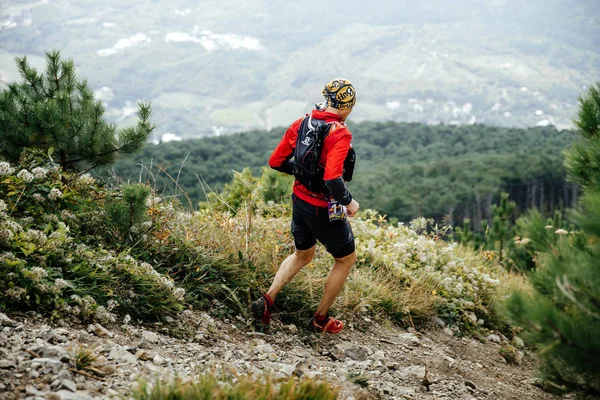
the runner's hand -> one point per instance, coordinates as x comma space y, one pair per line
352, 208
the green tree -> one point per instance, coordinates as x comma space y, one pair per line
55, 111
500, 231
562, 314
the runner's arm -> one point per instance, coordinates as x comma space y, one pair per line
334, 170
281, 159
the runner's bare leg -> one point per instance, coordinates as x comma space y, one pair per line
289, 268
335, 281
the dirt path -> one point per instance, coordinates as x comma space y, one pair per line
389, 362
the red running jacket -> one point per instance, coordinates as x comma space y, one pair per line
335, 149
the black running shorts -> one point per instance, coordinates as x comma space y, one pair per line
311, 223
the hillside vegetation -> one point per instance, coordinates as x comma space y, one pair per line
72, 249
403, 170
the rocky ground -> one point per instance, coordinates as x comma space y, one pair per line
37, 359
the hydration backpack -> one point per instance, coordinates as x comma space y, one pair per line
309, 143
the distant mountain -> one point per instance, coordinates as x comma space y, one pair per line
216, 67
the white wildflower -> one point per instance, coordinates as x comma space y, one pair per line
6, 236
561, 232
86, 180
103, 315
126, 319
549, 227
6, 169
38, 197
39, 172
15, 292
2, 206
112, 304
13, 226
153, 201
35, 274
179, 293
35, 236
55, 194
61, 284
458, 288
25, 175
525, 241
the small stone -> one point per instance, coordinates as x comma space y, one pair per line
448, 331
55, 352
47, 365
338, 353
518, 342
409, 339
6, 364
100, 331
391, 365
122, 356
55, 385
67, 395
414, 371
69, 385
159, 360
30, 389
5, 321
65, 374
379, 355
150, 337
438, 321
494, 338
144, 355
358, 353
292, 329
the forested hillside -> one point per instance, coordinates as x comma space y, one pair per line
403, 169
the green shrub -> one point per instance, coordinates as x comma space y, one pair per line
562, 314
55, 254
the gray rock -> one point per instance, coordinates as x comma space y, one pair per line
448, 331
159, 360
6, 364
286, 369
150, 337
122, 356
357, 353
47, 365
494, 338
438, 321
379, 355
338, 353
5, 321
30, 389
518, 342
414, 371
69, 385
409, 339
100, 331
263, 348
56, 352
65, 374
292, 329
67, 395
144, 355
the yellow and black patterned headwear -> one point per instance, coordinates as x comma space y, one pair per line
340, 94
